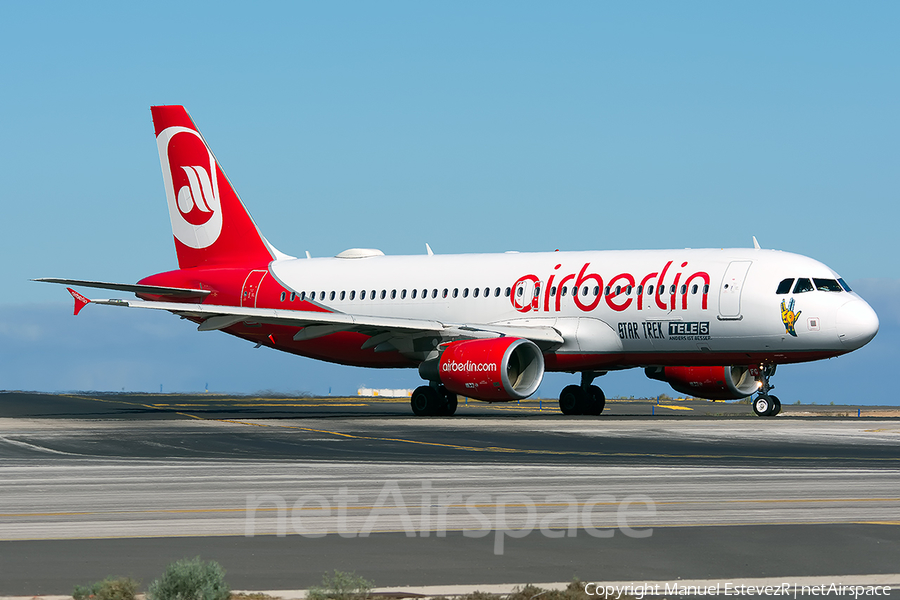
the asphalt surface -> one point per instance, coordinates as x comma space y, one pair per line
281, 490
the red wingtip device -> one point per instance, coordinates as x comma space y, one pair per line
80, 301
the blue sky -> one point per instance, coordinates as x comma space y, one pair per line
471, 126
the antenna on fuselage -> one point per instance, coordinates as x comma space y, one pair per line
428, 249
755, 243
307, 254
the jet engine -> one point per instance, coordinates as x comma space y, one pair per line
494, 370
713, 383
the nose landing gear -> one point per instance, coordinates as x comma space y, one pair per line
584, 399
766, 404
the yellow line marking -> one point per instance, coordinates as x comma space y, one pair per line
674, 407
453, 506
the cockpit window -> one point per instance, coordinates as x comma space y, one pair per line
785, 286
827, 285
844, 285
803, 285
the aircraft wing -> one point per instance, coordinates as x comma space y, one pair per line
387, 333
134, 288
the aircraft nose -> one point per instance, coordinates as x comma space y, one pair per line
857, 324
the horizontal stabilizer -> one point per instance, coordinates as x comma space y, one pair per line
134, 288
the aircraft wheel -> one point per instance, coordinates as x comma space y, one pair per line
776, 406
573, 400
425, 401
763, 405
449, 409
596, 401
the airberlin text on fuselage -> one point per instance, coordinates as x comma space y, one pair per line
667, 288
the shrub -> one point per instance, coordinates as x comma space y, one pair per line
341, 586
122, 588
190, 579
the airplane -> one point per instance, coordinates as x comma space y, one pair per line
712, 323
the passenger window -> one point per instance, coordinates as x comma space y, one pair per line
563, 291
606, 291
414, 294
694, 289
434, 293
403, 294
455, 292
393, 294
383, 294
640, 290
302, 295
627, 291
445, 293
650, 290
343, 295
706, 289
465, 292
574, 291
293, 296
424, 294
508, 290
519, 291
282, 296
331, 296
844, 285
827, 285
321, 295
553, 291
475, 292
683, 289
596, 290
487, 292
352, 294
584, 291
785, 286
497, 292
803, 285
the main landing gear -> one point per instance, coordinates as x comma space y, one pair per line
584, 399
766, 404
433, 401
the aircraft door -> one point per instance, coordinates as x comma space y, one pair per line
731, 288
251, 288
525, 295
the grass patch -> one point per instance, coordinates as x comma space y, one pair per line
111, 588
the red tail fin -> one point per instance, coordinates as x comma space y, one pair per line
210, 224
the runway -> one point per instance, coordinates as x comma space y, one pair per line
282, 490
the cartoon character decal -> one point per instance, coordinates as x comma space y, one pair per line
789, 317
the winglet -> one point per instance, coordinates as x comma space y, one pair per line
80, 301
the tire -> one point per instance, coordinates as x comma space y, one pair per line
762, 406
596, 401
573, 400
449, 408
776, 406
425, 401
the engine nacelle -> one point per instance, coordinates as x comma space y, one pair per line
495, 370
713, 383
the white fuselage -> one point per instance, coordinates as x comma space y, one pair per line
715, 303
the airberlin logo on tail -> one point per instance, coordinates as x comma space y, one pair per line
192, 187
